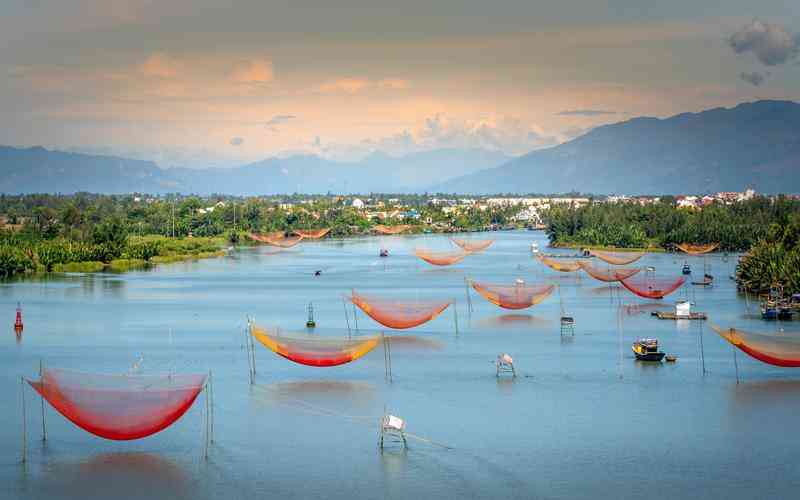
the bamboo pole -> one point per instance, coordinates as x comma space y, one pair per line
211, 381
355, 317
24, 421
466, 293
735, 363
41, 379
346, 317
455, 314
252, 353
702, 349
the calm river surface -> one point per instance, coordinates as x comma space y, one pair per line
583, 419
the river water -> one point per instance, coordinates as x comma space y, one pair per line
583, 419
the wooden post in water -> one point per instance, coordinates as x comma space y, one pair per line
735, 363
466, 293
355, 318
387, 358
211, 386
41, 379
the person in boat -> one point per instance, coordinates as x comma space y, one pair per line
318, 272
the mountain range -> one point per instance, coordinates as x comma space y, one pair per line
723, 149
753, 144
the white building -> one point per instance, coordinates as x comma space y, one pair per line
358, 204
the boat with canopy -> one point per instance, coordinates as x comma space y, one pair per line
650, 287
609, 275
314, 350
516, 296
697, 249
777, 350
564, 266
119, 407
617, 258
440, 258
398, 314
472, 246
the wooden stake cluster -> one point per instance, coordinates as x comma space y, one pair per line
387, 358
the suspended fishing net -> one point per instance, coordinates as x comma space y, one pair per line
440, 258
284, 242
313, 350
516, 296
472, 246
617, 258
697, 249
312, 234
609, 275
119, 407
267, 237
564, 266
380, 228
650, 287
778, 350
399, 314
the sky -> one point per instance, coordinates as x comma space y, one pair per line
217, 83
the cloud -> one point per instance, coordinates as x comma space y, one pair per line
255, 71
586, 112
355, 85
770, 43
236, 141
754, 78
272, 123
160, 65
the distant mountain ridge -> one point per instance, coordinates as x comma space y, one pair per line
723, 149
38, 170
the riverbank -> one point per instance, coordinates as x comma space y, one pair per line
606, 248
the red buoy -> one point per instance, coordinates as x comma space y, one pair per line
18, 326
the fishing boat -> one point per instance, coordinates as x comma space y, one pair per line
534, 248
383, 253
769, 309
647, 350
687, 269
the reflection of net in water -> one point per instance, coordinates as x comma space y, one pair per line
313, 350
472, 246
277, 239
119, 407
399, 314
380, 228
617, 258
609, 275
516, 296
650, 287
778, 350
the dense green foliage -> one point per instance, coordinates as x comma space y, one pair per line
774, 261
736, 227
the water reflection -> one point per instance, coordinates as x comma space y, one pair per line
414, 343
116, 475
515, 320
762, 394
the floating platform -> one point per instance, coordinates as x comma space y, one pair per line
673, 315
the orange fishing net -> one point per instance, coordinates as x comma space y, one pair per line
617, 258
314, 350
650, 287
399, 314
472, 246
119, 407
380, 228
609, 275
313, 234
440, 258
564, 266
516, 296
697, 249
780, 349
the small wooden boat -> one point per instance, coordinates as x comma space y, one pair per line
769, 310
383, 253
707, 280
687, 269
534, 248
670, 358
647, 350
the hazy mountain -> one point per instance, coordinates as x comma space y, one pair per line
36, 169
753, 144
